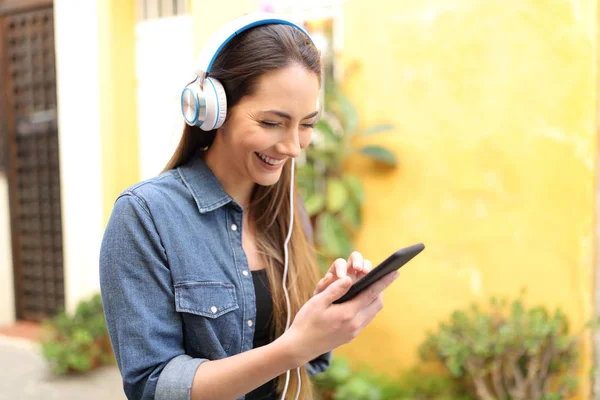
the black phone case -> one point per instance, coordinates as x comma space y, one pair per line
393, 262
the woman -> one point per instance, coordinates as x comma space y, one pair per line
192, 261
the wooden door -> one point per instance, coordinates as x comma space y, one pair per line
29, 133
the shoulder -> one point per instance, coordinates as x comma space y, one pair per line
148, 204
161, 189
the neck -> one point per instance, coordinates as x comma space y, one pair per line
239, 189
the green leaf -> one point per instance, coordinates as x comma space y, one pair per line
332, 236
340, 371
324, 262
337, 195
348, 113
355, 188
307, 171
82, 336
314, 204
359, 388
79, 362
379, 153
350, 216
324, 155
377, 129
325, 128
51, 350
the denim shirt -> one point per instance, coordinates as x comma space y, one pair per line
175, 282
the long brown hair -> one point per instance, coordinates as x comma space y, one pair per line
238, 66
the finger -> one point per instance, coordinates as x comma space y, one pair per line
331, 269
319, 288
370, 312
370, 294
329, 277
367, 266
336, 290
323, 283
355, 261
340, 266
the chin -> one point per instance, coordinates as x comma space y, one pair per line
267, 180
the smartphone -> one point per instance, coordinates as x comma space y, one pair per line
392, 263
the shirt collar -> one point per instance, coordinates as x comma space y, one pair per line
206, 189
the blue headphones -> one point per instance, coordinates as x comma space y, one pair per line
203, 101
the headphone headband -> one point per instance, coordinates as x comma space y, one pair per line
207, 108
217, 41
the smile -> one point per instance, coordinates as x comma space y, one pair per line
269, 160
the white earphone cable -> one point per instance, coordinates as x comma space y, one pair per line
285, 270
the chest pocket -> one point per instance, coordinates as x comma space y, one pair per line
210, 325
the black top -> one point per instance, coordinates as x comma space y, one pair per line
264, 313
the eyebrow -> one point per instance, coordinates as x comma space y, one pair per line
288, 116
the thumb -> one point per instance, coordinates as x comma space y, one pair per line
336, 290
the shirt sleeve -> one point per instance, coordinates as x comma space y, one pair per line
319, 364
139, 306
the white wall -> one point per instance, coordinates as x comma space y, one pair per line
78, 92
164, 65
7, 293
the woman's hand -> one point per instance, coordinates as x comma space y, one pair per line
355, 267
321, 326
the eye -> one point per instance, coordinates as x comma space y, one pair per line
309, 126
268, 124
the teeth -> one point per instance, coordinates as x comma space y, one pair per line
269, 160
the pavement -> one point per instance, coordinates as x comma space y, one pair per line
24, 375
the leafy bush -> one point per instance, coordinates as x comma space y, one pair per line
417, 384
509, 352
79, 342
339, 382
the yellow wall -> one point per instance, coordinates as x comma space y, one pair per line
494, 104
118, 107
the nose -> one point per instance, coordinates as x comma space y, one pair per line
290, 145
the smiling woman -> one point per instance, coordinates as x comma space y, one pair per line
204, 267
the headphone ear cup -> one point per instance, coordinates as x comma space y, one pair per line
190, 103
216, 104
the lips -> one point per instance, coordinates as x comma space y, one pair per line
269, 160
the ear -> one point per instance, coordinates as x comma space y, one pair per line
222, 130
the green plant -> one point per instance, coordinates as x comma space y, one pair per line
78, 342
333, 197
340, 382
508, 352
418, 384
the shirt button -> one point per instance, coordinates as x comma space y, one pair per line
233, 227
245, 272
213, 309
249, 322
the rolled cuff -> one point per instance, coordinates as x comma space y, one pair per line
175, 380
319, 364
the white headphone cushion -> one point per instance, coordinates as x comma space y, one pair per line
222, 102
216, 104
